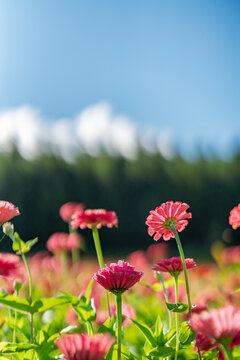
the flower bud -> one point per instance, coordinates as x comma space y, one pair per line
8, 228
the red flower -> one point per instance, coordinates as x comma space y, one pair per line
118, 277
173, 265
67, 210
217, 323
234, 218
7, 211
84, 346
62, 241
97, 217
9, 265
163, 217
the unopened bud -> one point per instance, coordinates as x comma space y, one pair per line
17, 285
8, 228
158, 275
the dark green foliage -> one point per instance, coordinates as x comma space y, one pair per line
131, 188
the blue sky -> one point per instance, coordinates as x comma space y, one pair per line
170, 65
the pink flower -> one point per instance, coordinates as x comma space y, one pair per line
217, 323
234, 218
231, 255
7, 211
98, 217
9, 265
163, 217
84, 346
61, 241
173, 265
67, 210
138, 258
157, 251
118, 277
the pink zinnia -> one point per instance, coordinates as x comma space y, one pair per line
63, 242
173, 265
97, 217
217, 324
9, 265
7, 211
84, 346
118, 277
67, 210
163, 217
234, 218
231, 255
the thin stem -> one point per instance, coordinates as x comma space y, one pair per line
119, 325
199, 353
166, 300
177, 318
16, 293
173, 229
90, 328
100, 258
227, 352
30, 289
98, 246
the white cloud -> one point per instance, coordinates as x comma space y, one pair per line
93, 130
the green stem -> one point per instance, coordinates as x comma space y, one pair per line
225, 346
30, 290
98, 246
166, 300
177, 318
173, 229
16, 293
90, 328
119, 325
100, 258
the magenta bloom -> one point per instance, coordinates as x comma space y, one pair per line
118, 277
173, 265
234, 218
67, 210
9, 265
63, 242
84, 346
163, 217
217, 324
7, 211
98, 217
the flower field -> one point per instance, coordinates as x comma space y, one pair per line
57, 304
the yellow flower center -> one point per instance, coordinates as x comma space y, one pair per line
169, 222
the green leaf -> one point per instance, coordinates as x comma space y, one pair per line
169, 335
19, 244
85, 309
10, 348
88, 291
17, 303
108, 326
178, 307
186, 334
159, 331
49, 303
162, 351
147, 332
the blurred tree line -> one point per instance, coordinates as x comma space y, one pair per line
130, 187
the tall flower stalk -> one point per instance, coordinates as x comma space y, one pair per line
184, 268
117, 278
98, 248
166, 220
119, 325
177, 317
94, 220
